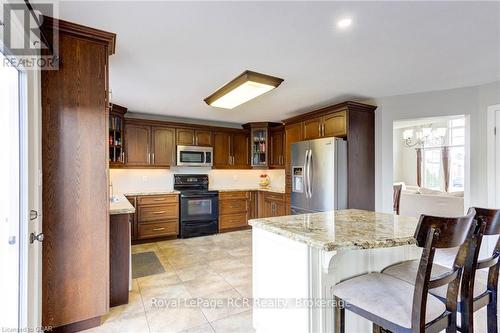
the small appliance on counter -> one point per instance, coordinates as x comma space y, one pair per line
199, 207
319, 175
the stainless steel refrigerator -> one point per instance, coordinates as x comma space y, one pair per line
319, 175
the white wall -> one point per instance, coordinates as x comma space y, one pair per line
472, 101
137, 180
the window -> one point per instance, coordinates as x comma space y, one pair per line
432, 160
432, 167
457, 154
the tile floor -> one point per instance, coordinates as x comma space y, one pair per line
216, 268
212, 268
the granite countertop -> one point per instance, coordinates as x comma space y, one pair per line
343, 229
235, 189
122, 206
152, 192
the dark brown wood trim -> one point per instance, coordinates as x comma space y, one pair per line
78, 326
161, 123
345, 106
81, 31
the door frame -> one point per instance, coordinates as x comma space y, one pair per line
492, 113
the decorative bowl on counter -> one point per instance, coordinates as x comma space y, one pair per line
265, 181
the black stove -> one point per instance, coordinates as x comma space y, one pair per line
199, 208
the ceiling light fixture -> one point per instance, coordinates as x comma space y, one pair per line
344, 23
241, 89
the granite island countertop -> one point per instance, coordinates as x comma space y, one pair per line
343, 229
122, 206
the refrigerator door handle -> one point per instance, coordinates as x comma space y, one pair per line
309, 160
305, 174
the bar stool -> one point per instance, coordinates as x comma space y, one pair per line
474, 293
397, 305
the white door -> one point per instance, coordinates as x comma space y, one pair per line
12, 196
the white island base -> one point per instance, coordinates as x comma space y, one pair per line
286, 270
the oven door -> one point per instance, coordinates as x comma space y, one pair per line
194, 156
199, 207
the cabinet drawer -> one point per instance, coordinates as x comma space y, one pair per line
232, 221
280, 197
154, 213
157, 199
159, 229
232, 206
233, 195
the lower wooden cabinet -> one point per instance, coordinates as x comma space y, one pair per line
271, 204
156, 216
233, 210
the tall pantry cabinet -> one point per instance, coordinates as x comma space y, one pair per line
75, 278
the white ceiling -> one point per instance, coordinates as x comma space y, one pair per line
171, 55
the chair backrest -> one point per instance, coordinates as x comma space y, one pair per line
488, 223
433, 233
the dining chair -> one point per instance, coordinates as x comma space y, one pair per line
396, 305
475, 293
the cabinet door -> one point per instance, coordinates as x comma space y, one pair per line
335, 124
240, 148
222, 149
138, 138
185, 137
312, 128
203, 138
277, 154
163, 146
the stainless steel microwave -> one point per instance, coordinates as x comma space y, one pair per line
194, 156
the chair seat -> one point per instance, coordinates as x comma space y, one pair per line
407, 271
386, 298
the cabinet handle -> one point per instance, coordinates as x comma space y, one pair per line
160, 212
158, 229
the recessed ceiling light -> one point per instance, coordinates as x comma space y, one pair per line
241, 89
344, 23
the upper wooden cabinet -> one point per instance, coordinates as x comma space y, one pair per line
231, 150
137, 149
162, 146
334, 124
149, 146
193, 137
277, 151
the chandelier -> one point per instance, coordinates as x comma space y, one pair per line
424, 136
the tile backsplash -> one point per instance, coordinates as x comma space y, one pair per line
134, 180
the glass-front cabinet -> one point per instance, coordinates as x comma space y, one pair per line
259, 148
260, 152
116, 135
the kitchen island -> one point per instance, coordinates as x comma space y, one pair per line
297, 259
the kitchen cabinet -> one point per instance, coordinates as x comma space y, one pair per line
277, 159
162, 146
157, 216
333, 124
231, 150
75, 193
149, 146
116, 135
233, 210
138, 138
193, 137
272, 204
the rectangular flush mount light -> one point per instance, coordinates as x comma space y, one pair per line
243, 88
